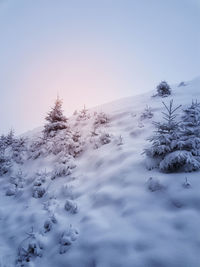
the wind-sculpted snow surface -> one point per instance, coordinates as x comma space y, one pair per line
100, 206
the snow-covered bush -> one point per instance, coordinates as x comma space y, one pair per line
55, 120
100, 119
17, 182
147, 114
186, 184
67, 238
76, 136
63, 142
37, 148
38, 191
39, 188
83, 115
13, 147
71, 206
163, 89
63, 167
99, 139
18, 179
154, 184
11, 190
5, 163
105, 138
47, 225
29, 249
40, 177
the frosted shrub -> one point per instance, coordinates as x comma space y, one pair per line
5, 164
17, 182
14, 147
186, 184
147, 114
38, 191
40, 178
100, 118
11, 190
83, 115
71, 206
154, 184
163, 89
29, 249
105, 138
63, 142
99, 139
76, 136
67, 238
18, 179
47, 226
63, 167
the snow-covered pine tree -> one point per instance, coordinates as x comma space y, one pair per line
2, 142
7, 140
83, 114
166, 133
10, 138
5, 163
163, 89
191, 119
55, 120
19, 150
172, 147
166, 137
190, 127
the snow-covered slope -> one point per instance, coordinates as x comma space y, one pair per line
117, 215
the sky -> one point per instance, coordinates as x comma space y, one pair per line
90, 52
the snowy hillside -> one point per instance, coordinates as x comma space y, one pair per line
100, 206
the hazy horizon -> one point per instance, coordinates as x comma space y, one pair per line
90, 52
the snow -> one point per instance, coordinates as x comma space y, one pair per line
109, 210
